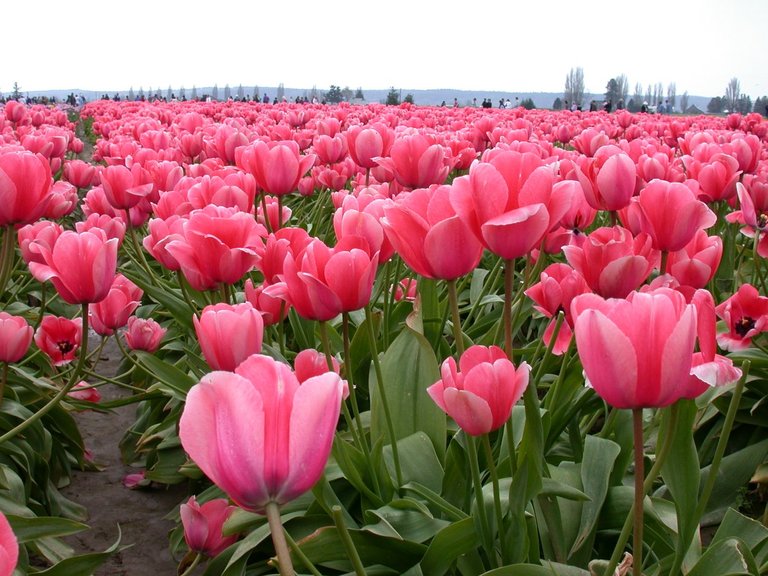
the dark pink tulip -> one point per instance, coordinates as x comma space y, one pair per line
112, 227
369, 142
161, 233
479, 395
746, 315
220, 246
59, 338
614, 185
558, 286
636, 352
81, 265
15, 111
590, 141
228, 334
696, 264
25, 187
41, 232
273, 309
322, 282
63, 200
80, 173
612, 261
362, 219
9, 546
259, 435
330, 149
113, 311
125, 187
144, 334
277, 166
203, 525
671, 215
276, 216
310, 363
430, 237
417, 161
15, 337
717, 177
84, 392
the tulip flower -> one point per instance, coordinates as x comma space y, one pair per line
203, 525
696, 264
369, 142
277, 166
229, 334
258, 434
746, 315
9, 547
636, 352
479, 395
25, 187
418, 161
59, 338
144, 334
15, 337
114, 310
309, 363
41, 232
85, 393
125, 187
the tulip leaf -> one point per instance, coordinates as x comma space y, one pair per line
545, 569
83, 564
408, 367
749, 531
171, 379
409, 519
29, 529
730, 557
165, 296
451, 542
418, 461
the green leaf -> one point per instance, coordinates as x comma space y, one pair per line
171, 379
729, 557
545, 569
451, 542
407, 518
166, 296
84, 564
418, 461
749, 531
408, 367
29, 529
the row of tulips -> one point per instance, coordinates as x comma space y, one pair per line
418, 249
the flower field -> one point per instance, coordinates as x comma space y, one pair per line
392, 340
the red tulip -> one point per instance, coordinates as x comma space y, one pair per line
203, 525
59, 338
479, 395
229, 334
636, 352
259, 435
746, 315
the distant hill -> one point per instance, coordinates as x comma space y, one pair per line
433, 97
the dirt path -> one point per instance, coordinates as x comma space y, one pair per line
140, 513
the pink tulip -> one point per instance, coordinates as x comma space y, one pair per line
59, 338
330, 149
479, 395
203, 525
220, 246
229, 334
310, 363
277, 246
636, 352
352, 220
111, 226
615, 183
161, 233
9, 547
696, 264
259, 435
125, 187
746, 315
15, 337
84, 392
277, 166
426, 231
41, 232
113, 311
63, 200
417, 161
25, 187
369, 142
612, 261
81, 265
81, 174
144, 334
273, 309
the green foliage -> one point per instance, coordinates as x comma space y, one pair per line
334, 95
393, 97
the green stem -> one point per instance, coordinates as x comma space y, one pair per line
3, 382
346, 540
267, 224
453, 299
637, 531
191, 568
140, 253
7, 253
383, 394
496, 496
485, 531
509, 283
185, 292
509, 432
278, 539
296, 549
53, 402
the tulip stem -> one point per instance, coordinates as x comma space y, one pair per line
3, 382
453, 299
637, 531
284, 564
383, 394
350, 382
485, 531
7, 256
185, 292
191, 568
140, 253
346, 540
53, 402
296, 549
509, 282
496, 496
267, 224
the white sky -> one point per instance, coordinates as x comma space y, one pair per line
506, 45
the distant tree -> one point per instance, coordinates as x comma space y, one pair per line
684, 101
637, 96
240, 92
393, 97
131, 95
194, 92
672, 95
227, 92
359, 94
169, 93
16, 94
528, 104
141, 93
743, 105
256, 92
633, 106
409, 99
182, 93
612, 93
715, 105
314, 94
557, 104
280, 92
760, 104
732, 93
574, 86
215, 92
334, 95
649, 95
346, 94
622, 86
658, 93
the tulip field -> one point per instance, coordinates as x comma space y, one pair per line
391, 340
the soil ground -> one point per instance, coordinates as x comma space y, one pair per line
139, 513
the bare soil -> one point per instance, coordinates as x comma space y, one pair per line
140, 514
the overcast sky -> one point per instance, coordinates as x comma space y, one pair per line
506, 45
